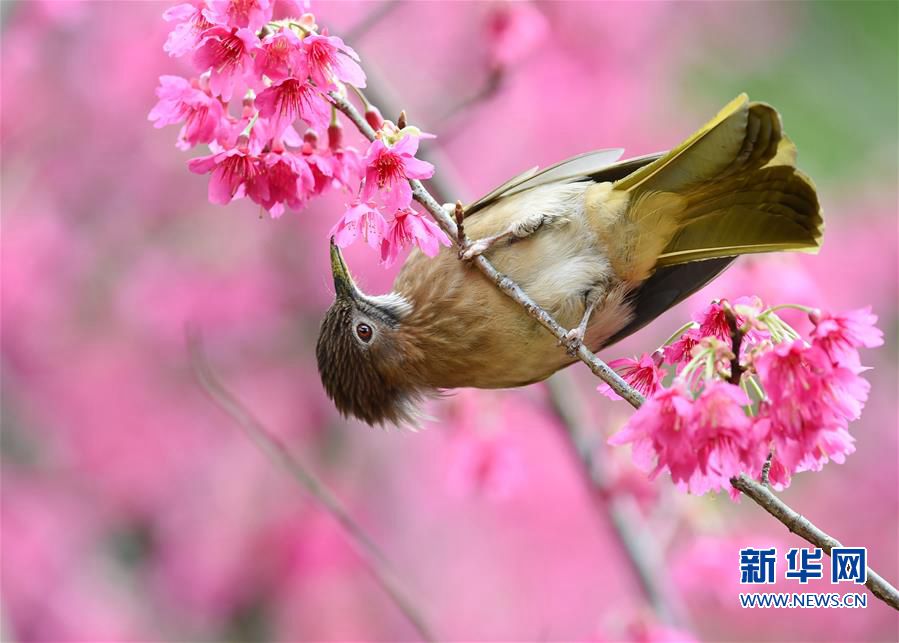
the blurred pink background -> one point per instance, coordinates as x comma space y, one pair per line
134, 510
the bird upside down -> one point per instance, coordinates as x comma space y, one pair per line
604, 246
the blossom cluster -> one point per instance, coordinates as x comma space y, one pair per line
262, 101
784, 399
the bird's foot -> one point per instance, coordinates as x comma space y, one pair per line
479, 247
475, 249
573, 340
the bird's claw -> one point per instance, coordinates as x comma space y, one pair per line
573, 340
475, 249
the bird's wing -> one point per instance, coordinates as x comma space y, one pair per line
576, 168
729, 141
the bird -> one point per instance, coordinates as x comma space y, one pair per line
604, 245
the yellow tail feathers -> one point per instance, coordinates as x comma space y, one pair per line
729, 189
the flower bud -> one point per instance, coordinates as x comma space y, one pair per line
335, 136
373, 117
307, 22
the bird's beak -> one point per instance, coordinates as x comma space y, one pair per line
344, 286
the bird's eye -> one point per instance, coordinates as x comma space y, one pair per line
363, 331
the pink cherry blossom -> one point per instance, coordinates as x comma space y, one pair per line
722, 437
702, 443
839, 335
642, 373
229, 56
319, 160
191, 24
235, 173
179, 101
389, 168
793, 376
794, 456
281, 56
328, 58
832, 444
810, 402
347, 167
659, 432
411, 227
713, 319
360, 219
290, 99
261, 132
290, 181
249, 14
679, 351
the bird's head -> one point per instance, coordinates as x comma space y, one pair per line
360, 352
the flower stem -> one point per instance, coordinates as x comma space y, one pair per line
680, 331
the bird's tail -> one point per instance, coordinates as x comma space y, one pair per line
729, 189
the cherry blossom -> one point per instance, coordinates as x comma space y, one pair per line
411, 227
191, 24
229, 56
284, 102
290, 181
388, 169
361, 220
280, 56
839, 335
234, 173
328, 58
249, 14
179, 101
642, 373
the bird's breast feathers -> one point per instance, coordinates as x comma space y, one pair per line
558, 266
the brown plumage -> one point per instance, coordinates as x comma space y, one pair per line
602, 246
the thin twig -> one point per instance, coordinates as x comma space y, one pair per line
488, 89
459, 213
371, 555
632, 535
736, 334
759, 493
371, 20
766, 468
804, 528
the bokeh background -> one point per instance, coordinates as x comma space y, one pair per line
135, 510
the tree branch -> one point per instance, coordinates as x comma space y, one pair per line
804, 528
371, 555
754, 490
